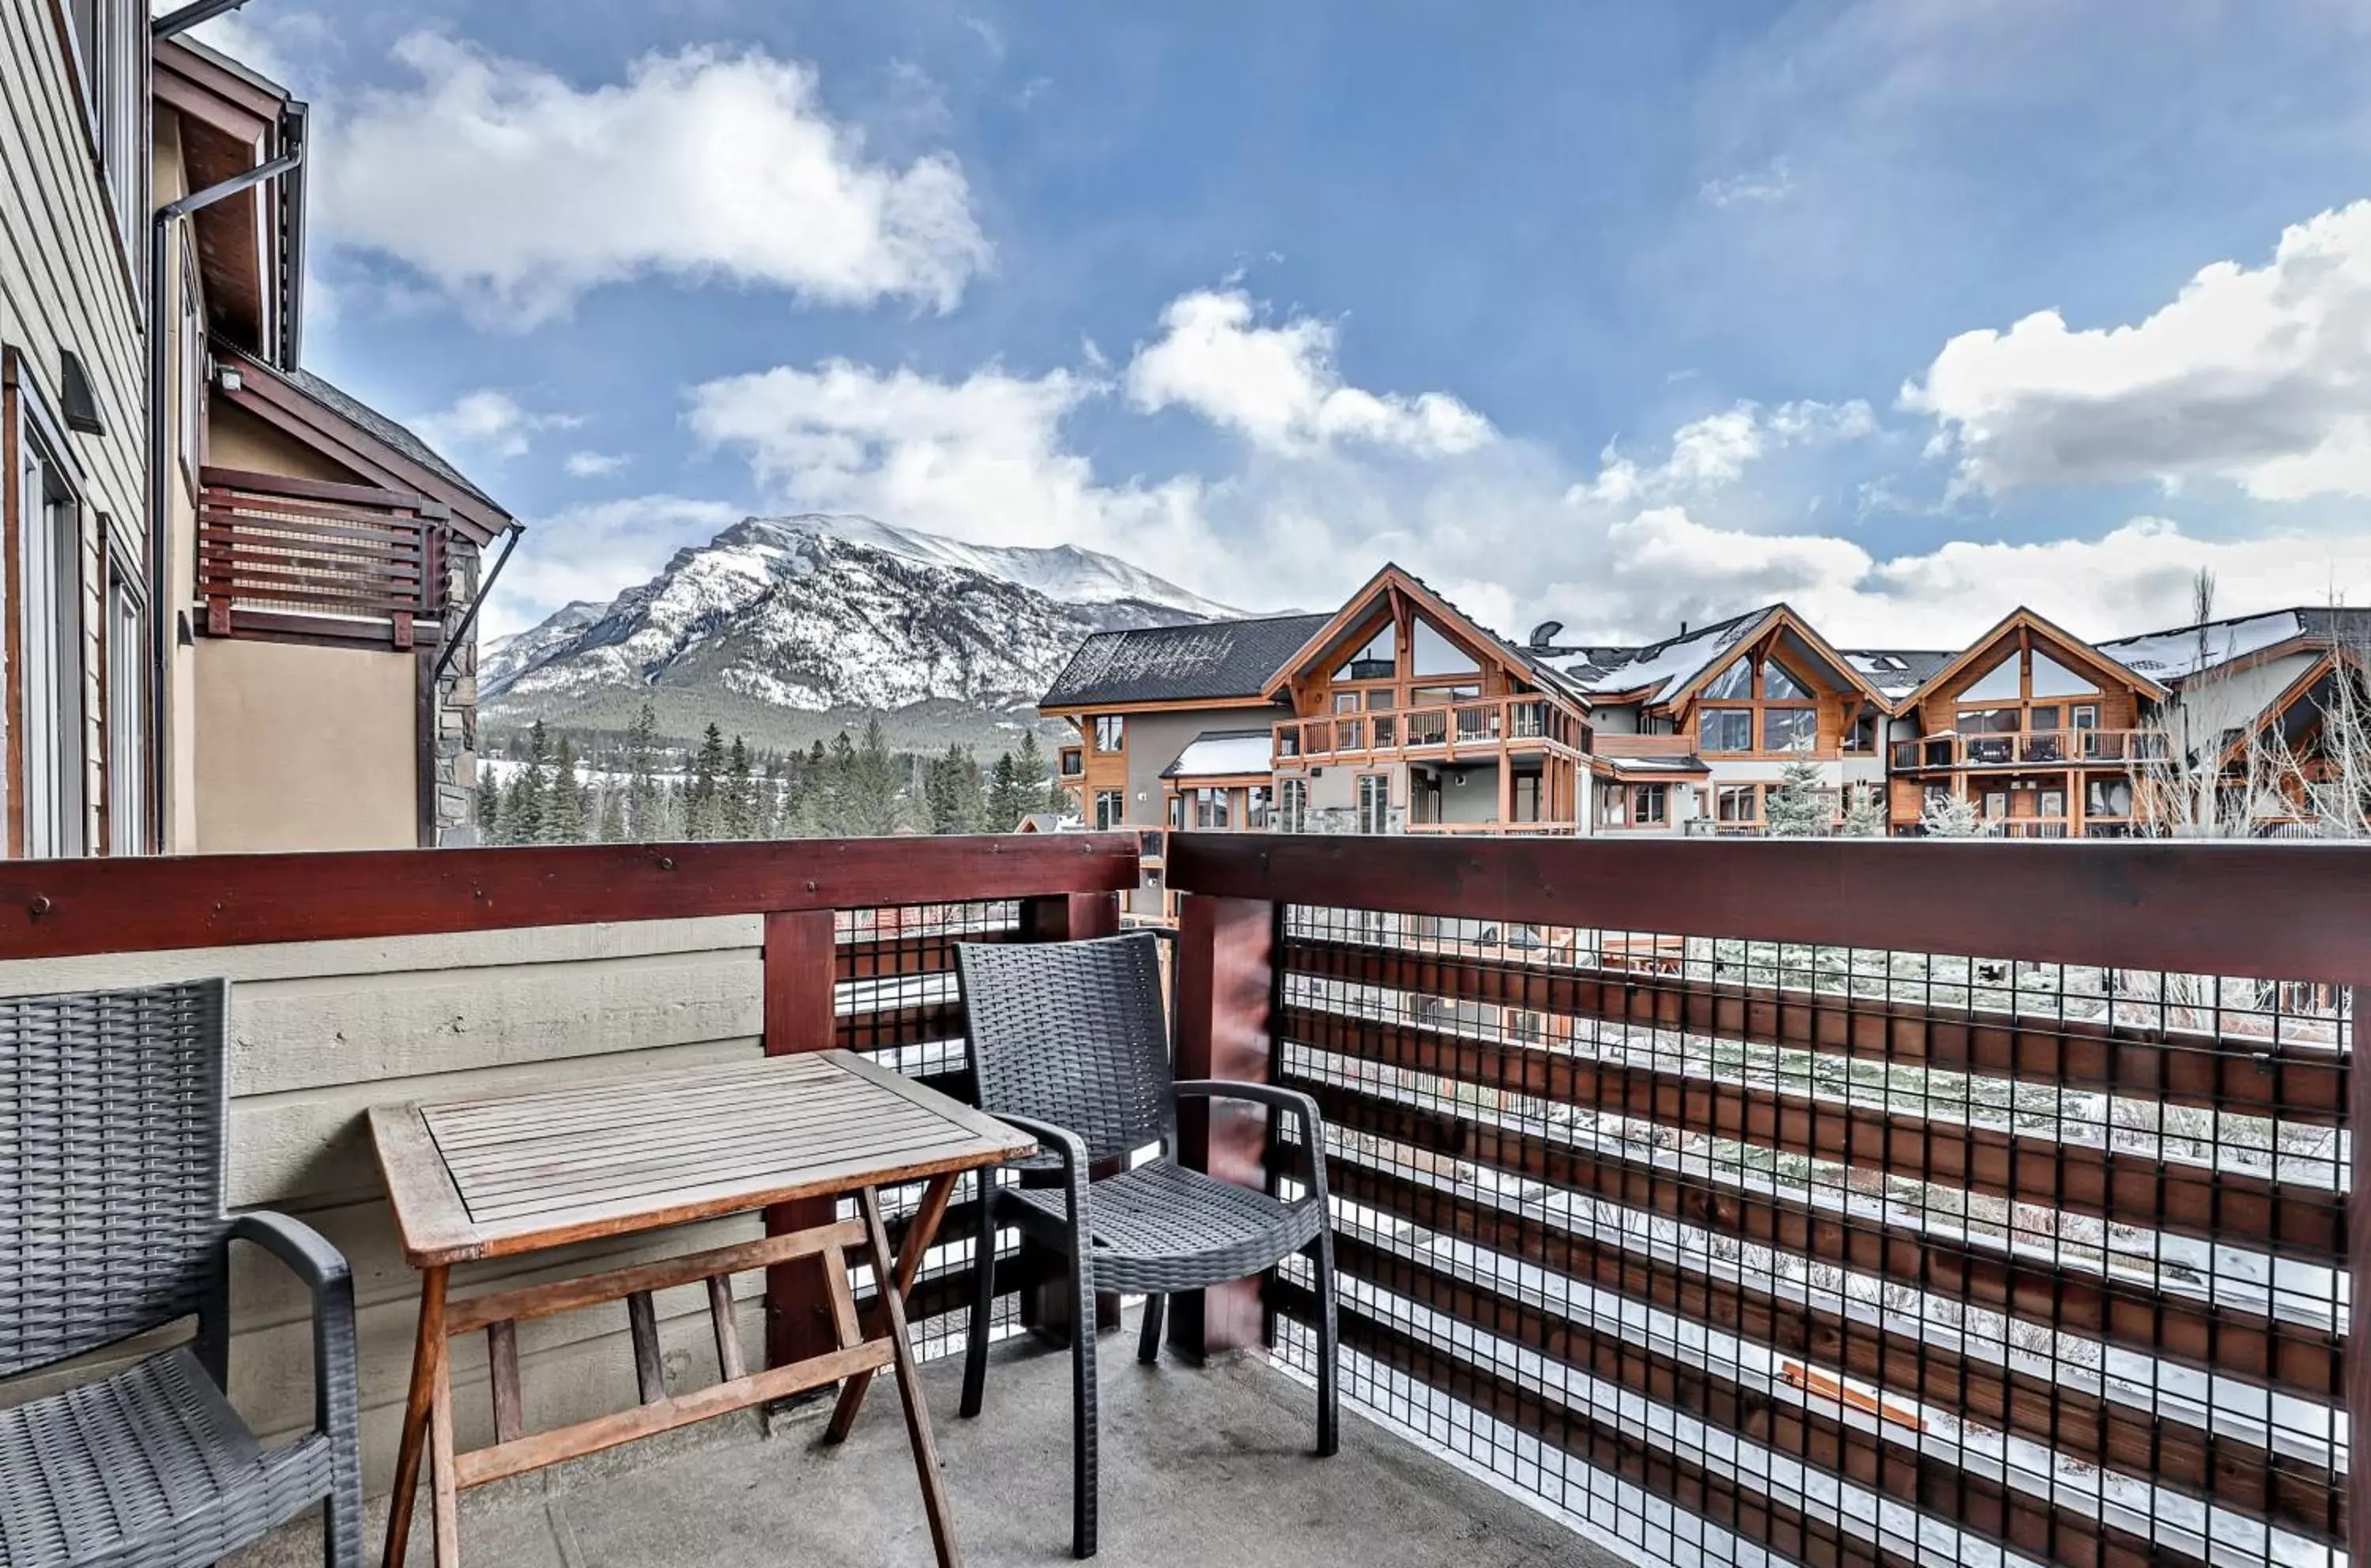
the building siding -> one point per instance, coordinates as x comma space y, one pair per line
66, 282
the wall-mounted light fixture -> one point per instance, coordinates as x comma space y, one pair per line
229, 378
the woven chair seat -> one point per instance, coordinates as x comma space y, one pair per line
150, 1465
1162, 1227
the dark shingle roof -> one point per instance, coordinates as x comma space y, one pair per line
1898, 672
358, 412
1203, 660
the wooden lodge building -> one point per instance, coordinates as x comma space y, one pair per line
235, 601
1398, 713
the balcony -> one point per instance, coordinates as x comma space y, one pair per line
1497, 726
2050, 748
1863, 1203
281, 555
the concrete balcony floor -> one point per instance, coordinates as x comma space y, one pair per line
1200, 1466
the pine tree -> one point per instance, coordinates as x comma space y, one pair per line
489, 807
642, 811
874, 803
563, 811
613, 815
1006, 803
1949, 815
525, 807
1798, 807
951, 793
1865, 813
739, 806
703, 806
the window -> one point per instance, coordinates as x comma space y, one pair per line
1211, 809
1783, 729
1525, 791
1433, 696
1346, 702
2051, 678
1726, 730
1378, 661
2108, 798
1779, 686
192, 344
1988, 720
1435, 655
111, 51
2043, 717
1110, 809
1259, 807
1738, 803
127, 718
1650, 804
1734, 684
2002, 682
1111, 733
1291, 805
50, 623
1862, 736
1074, 762
1374, 802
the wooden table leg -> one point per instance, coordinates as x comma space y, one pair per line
426, 1352
444, 1488
919, 1236
911, 1393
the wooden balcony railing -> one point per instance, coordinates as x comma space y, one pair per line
1495, 724
1817, 1236
2049, 748
279, 555
1861, 1205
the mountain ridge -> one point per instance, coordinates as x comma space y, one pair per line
784, 625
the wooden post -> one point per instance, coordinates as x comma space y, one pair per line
1226, 956
2358, 1252
1065, 918
799, 976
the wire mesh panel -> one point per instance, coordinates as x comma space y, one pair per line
896, 1001
1753, 1253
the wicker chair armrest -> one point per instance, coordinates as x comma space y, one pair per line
335, 1395
1292, 1101
304, 1249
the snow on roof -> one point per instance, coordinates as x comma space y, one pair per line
1657, 765
1666, 667
1222, 753
2186, 651
1896, 673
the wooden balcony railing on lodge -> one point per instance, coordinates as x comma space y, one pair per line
281, 554
2043, 748
1496, 725
1816, 1198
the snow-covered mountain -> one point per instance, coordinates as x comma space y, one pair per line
821, 615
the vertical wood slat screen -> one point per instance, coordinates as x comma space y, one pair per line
1751, 1251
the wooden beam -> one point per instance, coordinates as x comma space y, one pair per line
66, 908
800, 970
2185, 906
1226, 981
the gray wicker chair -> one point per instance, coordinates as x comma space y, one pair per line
1069, 1043
112, 1224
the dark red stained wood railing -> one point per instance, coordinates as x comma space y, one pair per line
283, 555
1486, 1095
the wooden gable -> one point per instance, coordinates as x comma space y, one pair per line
2019, 634
1392, 599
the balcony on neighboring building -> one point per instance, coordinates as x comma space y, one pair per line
1951, 751
1494, 726
306, 558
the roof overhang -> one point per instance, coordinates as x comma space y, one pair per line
249, 245
289, 408
1166, 705
1358, 612
2101, 663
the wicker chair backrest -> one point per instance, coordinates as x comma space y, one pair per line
110, 1165
1075, 1034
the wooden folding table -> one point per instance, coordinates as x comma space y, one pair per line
517, 1173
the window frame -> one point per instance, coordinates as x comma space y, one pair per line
1116, 818
1110, 734
124, 691
1640, 814
63, 827
1379, 811
1291, 805
1705, 715
1806, 716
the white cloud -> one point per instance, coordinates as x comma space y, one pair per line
2250, 374
1279, 387
597, 551
1773, 182
594, 465
981, 458
1715, 451
490, 423
516, 192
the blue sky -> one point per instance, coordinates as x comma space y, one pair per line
1612, 312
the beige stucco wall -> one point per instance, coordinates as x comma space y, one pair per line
302, 747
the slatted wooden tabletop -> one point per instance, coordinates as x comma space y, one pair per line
516, 1172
